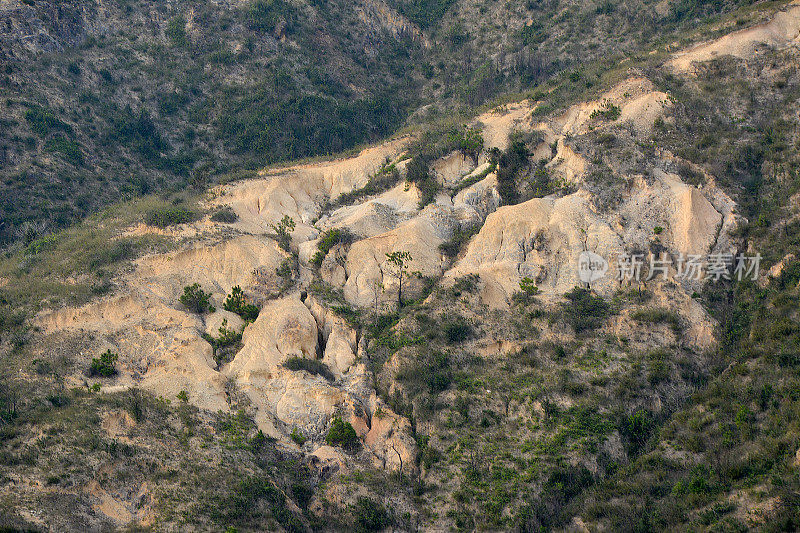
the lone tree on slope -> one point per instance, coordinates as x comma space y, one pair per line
399, 261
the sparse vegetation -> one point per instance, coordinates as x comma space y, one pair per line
170, 216
511, 163
328, 240
283, 230
237, 303
227, 342
195, 299
656, 316
609, 112
312, 366
453, 247
524, 416
225, 215
105, 365
584, 311
399, 260
343, 435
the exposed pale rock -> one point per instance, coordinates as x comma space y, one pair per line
213, 322
367, 266
304, 402
777, 269
376, 215
217, 268
540, 239
498, 123
338, 337
640, 104
474, 203
451, 168
571, 166
782, 31
331, 458
299, 191
694, 219
389, 439
284, 328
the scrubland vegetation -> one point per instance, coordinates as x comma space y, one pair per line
562, 418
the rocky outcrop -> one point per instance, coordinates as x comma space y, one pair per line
782, 31
543, 237
161, 343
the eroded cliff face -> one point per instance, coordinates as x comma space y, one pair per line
161, 344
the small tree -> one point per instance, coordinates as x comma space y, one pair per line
283, 230
377, 290
528, 286
104, 365
236, 303
196, 299
399, 261
471, 144
342, 434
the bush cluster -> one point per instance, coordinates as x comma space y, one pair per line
196, 299
236, 303
343, 435
169, 216
312, 366
104, 366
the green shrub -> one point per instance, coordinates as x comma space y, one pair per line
69, 150
169, 216
528, 290
584, 311
369, 515
329, 239
418, 173
452, 247
609, 111
312, 366
283, 230
468, 284
264, 15
342, 434
470, 143
457, 331
512, 161
386, 177
43, 121
636, 430
285, 270
297, 437
48, 242
104, 365
118, 250
226, 344
429, 372
533, 34
656, 316
225, 215
176, 31
236, 303
425, 13
196, 299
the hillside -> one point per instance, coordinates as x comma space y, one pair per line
399, 337
110, 101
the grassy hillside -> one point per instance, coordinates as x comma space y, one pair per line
134, 97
